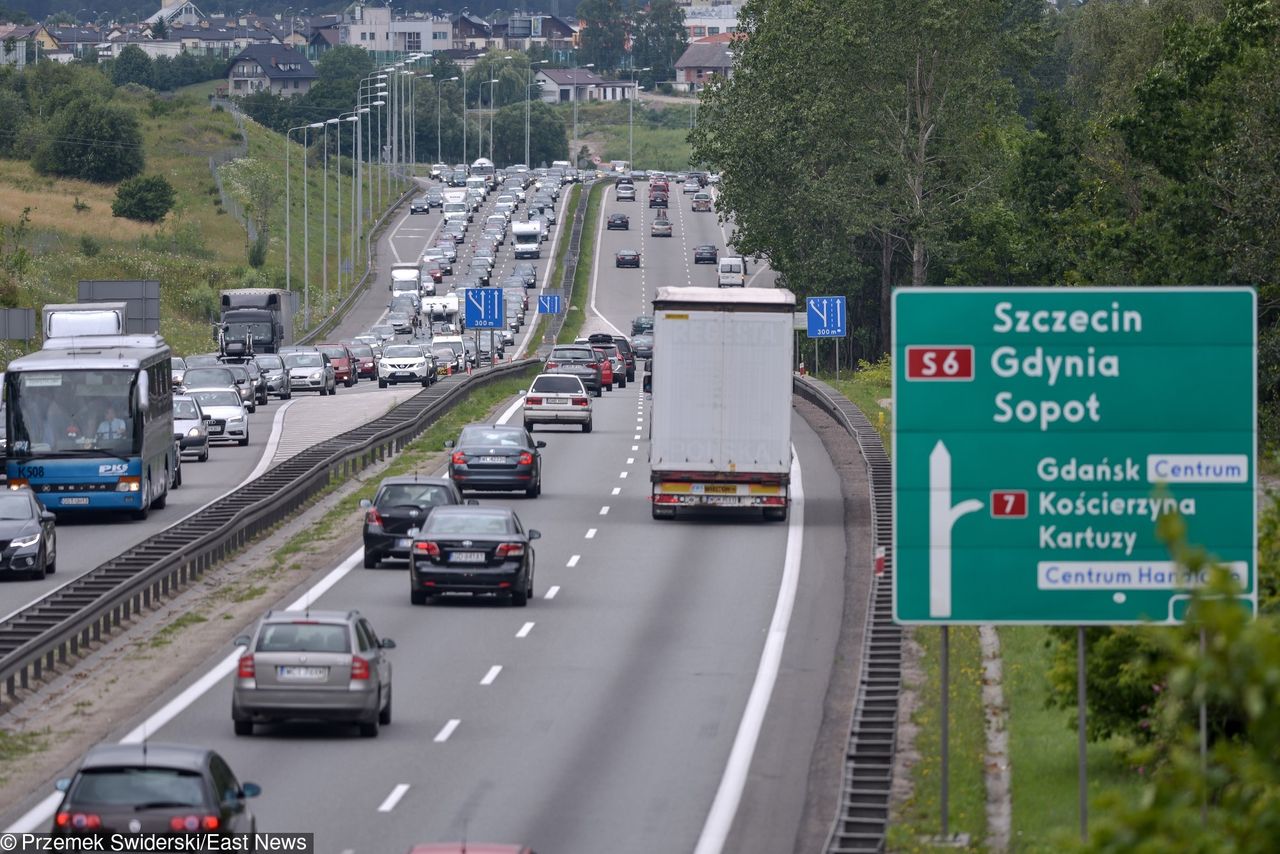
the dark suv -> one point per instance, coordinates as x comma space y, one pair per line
624, 347
398, 510
153, 788
580, 360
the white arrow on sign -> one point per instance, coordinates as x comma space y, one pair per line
942, 518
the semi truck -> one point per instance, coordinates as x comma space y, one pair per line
526, 239
255, 320
720, 422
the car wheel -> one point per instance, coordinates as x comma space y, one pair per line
631, 376
520, 598
244, 443
243, 727
622, 383
586, 428
418, 597
384, 715
42, 567
609, 387
600, 392
383, 383
535, 490
177, 475
288, 395
253, 407
371, 559
528, 425
333, 390
350, 382
426, 382
204, 455
369, 729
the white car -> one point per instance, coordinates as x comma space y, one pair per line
405, 363
557, 399
228, 419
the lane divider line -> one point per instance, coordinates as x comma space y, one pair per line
551, 594
591, 533
573, 561
715, 832
617, 490
604, 511
443, 735
394, 798
491, 675
622, 474
631, 461
273, 443
524, 630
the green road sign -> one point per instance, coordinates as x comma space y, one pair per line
1039, 433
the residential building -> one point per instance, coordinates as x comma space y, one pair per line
225, 41
522, 31
700, 21
153, 48
185, 13
472, 32
565, 85
374, 28
75, 40
271, 67
15, 42
702, 60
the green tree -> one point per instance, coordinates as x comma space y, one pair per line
160, 30
144, 198
132, 66
603, 37
93, 141
548, 139
660, 38
255, 186
14, 109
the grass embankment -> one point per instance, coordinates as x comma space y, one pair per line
565, 224
661, 132
1042, 741
577, 310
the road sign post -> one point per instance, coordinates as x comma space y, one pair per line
828, 317
1039, 434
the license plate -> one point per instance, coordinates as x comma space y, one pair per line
719, 489
722, 499
302, 672
468, 557
74, 501
491, 459
214, 429
404, 373
403, 543
557, 401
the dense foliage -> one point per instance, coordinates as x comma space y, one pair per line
91, 140
146, 199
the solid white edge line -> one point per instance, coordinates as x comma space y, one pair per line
595, 262
43, 811
491, 675
394, 798
273, 443
447, 730
715, 832
511, 410
524, 630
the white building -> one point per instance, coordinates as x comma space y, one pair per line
373, 28
702, 21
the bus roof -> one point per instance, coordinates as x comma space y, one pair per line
93, 352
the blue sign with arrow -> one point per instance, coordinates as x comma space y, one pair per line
484, 308
549, 304
827, 316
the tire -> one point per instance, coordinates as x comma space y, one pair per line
177, 476
244, 443
287, 395
535, 490
586, 428
418, 597
528, 425
384, 714
600, 392
426, 382
204, 455
369, 729
383, 383
622, 383
42, 568
243, 727
253, 407
52, 566
775, 514
609, 387
333, 390
631, 376
159, 502
519, 598
371, 559
350, 382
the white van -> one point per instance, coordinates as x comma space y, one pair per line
731, 272
404, 279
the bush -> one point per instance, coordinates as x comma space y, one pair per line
133, 66
258, 251
146, 199
89, 246
93, 141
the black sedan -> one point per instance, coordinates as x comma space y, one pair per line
528, 272
27, 529
477, 550
493, 456
397, 511
420, 205
627, 258
618, 221
705, 254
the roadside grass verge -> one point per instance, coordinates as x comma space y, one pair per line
577, 312
565, 223
16, 746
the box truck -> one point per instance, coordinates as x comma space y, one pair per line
68, 320
720, 421
256, 320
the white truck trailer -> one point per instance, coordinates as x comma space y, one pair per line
720, 422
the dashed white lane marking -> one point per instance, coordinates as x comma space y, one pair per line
491, 675
591, 533
604, 511
573, 561
551, 592
631, 461
636, 436
524, 630
443, 735
617, 490
622, 474
635, 447
394, 798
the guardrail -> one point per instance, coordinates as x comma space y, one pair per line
57, 627
863, 815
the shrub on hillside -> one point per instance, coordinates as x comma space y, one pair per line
146, 199
132, 66
93, 141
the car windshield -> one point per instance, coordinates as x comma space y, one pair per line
239, 372
362, 351
185, 410
209, 376
136, 786
304, 637
14, 506
550, 384
382, 330
216, 397
492, 436
421, 494
404, 351
270, 362
304, 360
176, 363
445, 354
468, 523
334, 352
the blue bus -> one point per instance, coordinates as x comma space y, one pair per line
89, 423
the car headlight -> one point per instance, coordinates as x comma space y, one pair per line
24, 542
238, 419
193, 432
316, 375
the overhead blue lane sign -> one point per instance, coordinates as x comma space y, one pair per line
549, 304
827, 316
484, 308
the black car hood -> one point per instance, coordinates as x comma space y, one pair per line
11, 529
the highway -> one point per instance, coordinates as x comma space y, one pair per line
602, 717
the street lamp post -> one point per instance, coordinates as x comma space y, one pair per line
575, 106
306, 230
288, 225
378, 122
439, 91
464, 115
492, 104
324, 254
345, 117
631, 118
538, 84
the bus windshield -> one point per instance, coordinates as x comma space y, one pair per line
69, 413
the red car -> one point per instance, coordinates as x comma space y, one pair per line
366, 366
606, 366
344, 367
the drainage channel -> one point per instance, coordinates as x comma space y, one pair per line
863, 817
54, 628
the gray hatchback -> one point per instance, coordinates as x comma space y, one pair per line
313, 665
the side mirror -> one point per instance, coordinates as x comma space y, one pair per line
63, 784
250, 790
365, 503
387, 643
46, 516
534, 534
144, 391
206, 418
539, 444
448, 443
242, 640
